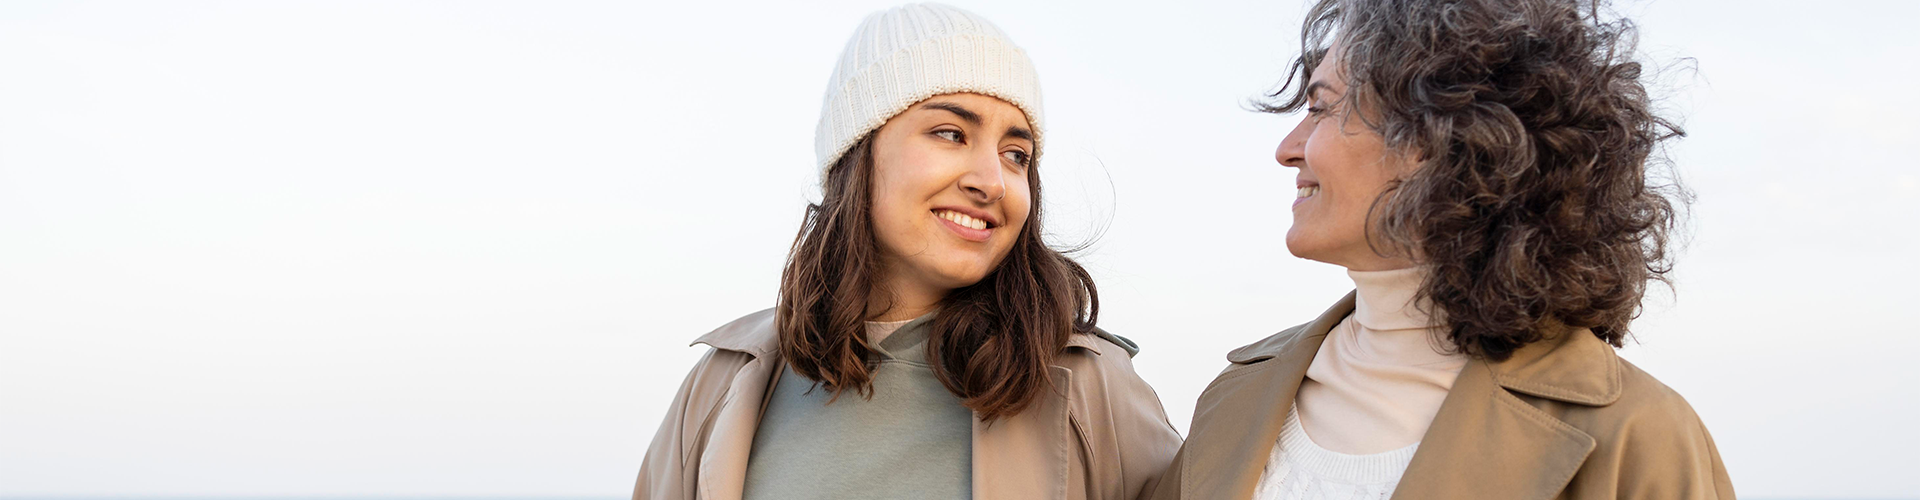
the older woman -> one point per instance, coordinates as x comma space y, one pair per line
1480, 168
927, 343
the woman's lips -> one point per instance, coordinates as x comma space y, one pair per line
964, 232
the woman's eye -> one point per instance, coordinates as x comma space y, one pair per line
1315, 110
951, 135
1017, 157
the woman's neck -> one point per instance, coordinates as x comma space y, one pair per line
896, 301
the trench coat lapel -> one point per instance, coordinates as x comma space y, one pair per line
1238, 420
1025, 456
1486, 442
723, 463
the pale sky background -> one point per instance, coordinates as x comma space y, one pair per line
373, 248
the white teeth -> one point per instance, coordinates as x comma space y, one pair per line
1308, 191
962, 219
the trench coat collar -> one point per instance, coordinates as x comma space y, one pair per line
1572, 366
1013, 457
752, 334
1485, 442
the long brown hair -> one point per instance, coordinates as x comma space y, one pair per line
991, 342
1534, 202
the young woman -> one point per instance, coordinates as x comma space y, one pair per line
926, 343
1479, 167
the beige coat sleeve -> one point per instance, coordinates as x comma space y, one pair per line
1144, 441
671, 468
1148, 441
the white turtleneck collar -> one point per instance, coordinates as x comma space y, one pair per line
1382, 372
1383, 300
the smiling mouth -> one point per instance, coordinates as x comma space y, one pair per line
1304, 194
961, 219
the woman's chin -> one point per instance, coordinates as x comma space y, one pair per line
963, 280
1309, 251
947, 276
1297, 245
962, 268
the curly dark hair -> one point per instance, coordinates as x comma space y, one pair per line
1533, 202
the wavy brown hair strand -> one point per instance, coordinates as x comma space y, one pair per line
821, 298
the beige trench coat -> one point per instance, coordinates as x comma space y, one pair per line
1104, 436
1562, 418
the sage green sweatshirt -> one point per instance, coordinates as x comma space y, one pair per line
913, 439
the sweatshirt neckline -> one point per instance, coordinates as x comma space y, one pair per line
900, 340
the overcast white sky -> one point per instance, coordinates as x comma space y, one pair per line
423, 248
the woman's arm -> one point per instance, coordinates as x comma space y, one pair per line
667, 471
1146, 442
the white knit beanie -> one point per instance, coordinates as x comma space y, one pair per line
903, 55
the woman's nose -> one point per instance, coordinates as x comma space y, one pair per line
984, 181
1293, 148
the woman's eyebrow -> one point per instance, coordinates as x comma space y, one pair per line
974, 118
965, 114
1316, 86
